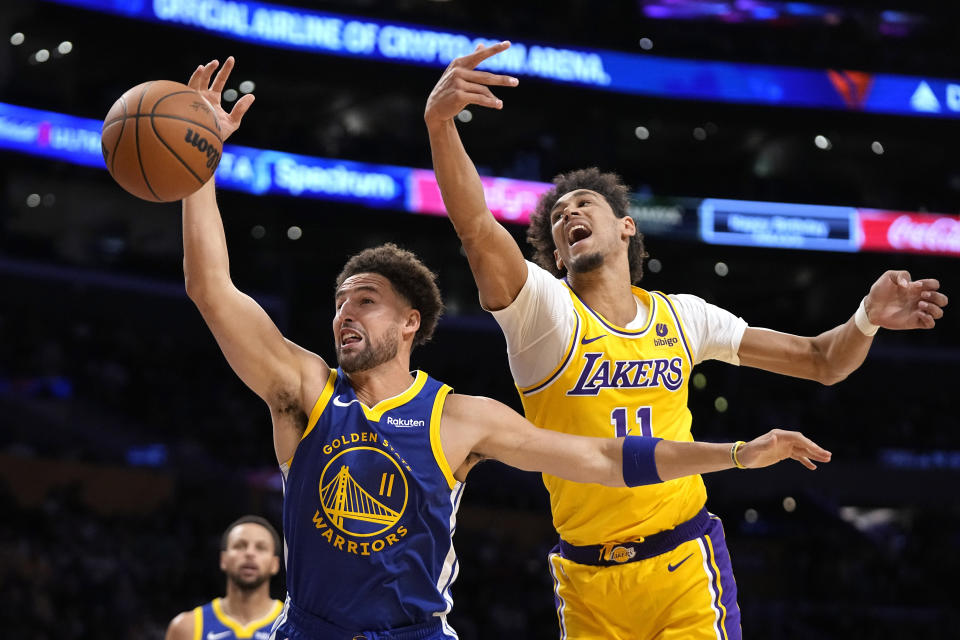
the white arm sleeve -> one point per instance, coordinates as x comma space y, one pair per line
713, 333
537, 325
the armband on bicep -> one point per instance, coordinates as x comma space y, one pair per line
639, 461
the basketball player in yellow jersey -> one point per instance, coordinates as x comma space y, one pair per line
249, 557
594, 355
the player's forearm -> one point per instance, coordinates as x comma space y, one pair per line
841, 351
205, 259
680, 459
459, 182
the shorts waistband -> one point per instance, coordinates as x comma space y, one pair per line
609, 555
317, 627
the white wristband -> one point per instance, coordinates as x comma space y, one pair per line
863, 323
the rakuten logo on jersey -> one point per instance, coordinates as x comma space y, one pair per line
913, 233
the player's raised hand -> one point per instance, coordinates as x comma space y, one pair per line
896, 301
778, 445
461, 85
211, 90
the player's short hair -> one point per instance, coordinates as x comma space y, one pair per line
409, 277
608, 185
263, 522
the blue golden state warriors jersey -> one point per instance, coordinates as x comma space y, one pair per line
615, 382
370, 508
211, 623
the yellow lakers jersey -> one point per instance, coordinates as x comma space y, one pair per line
615, 382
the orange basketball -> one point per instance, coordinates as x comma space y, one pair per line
161, 141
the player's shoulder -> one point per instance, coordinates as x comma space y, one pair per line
182, 626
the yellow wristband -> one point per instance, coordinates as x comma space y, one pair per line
733, 454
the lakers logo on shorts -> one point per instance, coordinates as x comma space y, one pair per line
363, 491
621, 554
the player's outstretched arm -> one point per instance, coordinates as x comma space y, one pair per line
495, 259
895, 301
490, 429
275, 369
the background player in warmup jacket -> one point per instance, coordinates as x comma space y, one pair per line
592, 355
373, 456
250, 557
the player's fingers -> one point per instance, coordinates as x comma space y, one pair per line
220, 81
482, 54
929, 284
935, 297
207, 72
805, 461
194, 81
479, 99
490, 79
241, 107
931, 309
900, 278
923, 320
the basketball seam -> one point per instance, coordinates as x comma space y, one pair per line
174, 153
113, 154
217, 132
139, 159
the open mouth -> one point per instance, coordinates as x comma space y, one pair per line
576, 233
349, 337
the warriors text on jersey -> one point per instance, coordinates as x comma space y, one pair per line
370, 508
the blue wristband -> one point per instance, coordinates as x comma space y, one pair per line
639, 461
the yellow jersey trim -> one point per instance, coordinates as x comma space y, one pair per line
571, 348
679, 323
716, 570
623, 332
245, 631
198, 623
435, 443
318, 408
376, 412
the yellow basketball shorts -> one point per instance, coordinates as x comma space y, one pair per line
685, 593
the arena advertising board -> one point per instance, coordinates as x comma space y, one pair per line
631, 73
76, 140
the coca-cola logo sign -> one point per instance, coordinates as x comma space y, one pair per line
912, 233
941, 235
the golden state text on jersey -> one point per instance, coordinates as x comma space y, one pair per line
614, 382
369, 509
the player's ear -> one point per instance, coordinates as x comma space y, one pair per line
556, 258
275, 565
411, 322
629, 227
223, 560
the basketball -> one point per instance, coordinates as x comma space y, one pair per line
161, 141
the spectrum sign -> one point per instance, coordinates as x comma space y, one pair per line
732, 222
350, 36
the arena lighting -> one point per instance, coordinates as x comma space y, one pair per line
76, 140
17, 39
631, 73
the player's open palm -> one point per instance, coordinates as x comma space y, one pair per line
462, 85
211, 90
778, 445
897, 302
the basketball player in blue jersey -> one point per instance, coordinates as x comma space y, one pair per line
249, 556
594, 355
374, 456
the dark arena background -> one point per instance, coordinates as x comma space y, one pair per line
768, 177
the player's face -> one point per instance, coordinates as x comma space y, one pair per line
586, 231
249, 559
369, 324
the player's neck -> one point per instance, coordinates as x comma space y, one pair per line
246, 606
607, 291
383, 381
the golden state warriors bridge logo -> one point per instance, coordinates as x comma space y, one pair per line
363, 494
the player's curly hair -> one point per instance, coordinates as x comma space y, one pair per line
263, 522
408, 276
608, 185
